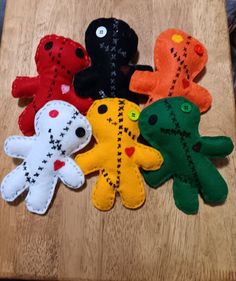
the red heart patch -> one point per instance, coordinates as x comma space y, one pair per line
185, 83
65, 89
58, 165
129, 151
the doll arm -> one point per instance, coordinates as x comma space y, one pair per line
214, 147
18, 146
147, 157
128, 70
143, 82
143, 67
90, 161
25, 87
158, 177
84, 81
131, 68
71, 174
200, 96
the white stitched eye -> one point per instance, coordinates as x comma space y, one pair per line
101, 31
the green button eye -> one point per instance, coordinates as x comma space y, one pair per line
133, 115
186, 107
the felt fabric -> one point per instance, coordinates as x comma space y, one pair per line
60, 131
171, 126
117, 155
57, 60
178, 58
111, 44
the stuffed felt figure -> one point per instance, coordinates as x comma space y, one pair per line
178, 59
57, 59
171, 126
111, 45
117, 155
60, 131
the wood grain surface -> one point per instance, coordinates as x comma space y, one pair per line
75, 241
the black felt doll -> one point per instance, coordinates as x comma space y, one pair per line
111, 45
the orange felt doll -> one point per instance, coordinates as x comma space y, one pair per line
178, 59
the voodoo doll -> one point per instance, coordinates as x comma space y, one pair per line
171, 126
117, 155
57, 60
178, 59
60, 131
111, 45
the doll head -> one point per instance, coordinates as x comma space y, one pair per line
168, 118
175, 48
66, 129
109, 116
109, 36
62, 53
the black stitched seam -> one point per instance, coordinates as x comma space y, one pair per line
175, 132
54, 79
56, 146
184, 144
121, 106
180, 65
129, 133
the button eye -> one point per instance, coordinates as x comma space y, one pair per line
53, 113
133, 115
79, 53
80, 132
102, 109
101, 31
152, 119
199, 50
186, 107
48, 45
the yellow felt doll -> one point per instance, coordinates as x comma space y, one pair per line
117, 155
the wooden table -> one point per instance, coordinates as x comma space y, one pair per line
75, 241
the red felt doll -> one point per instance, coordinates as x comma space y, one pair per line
57, 60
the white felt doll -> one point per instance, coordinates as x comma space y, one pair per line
60, 131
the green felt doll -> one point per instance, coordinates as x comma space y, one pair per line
171, 126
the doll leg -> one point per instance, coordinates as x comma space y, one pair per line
185, 196
213, 187
132, 189
103, 195
26, 120
40, 195
13, 184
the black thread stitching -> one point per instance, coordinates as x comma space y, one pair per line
183, 143
56, 145
180, 65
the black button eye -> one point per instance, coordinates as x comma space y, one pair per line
80, 132
152, 119
48, 45
102, 109
79, 53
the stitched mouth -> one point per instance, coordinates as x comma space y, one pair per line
175, 132
111, 121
